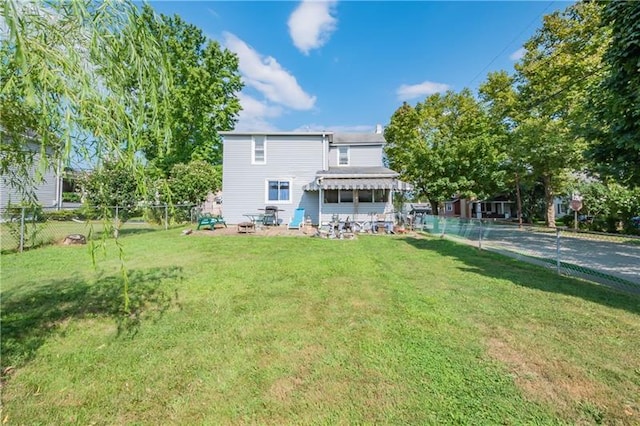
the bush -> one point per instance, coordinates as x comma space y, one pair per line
32, 213
61, 215
70, 197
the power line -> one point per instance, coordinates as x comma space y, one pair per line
510, 43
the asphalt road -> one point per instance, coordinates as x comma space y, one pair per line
621, 260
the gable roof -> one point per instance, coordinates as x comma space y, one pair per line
334, 138
358, 139
359, 172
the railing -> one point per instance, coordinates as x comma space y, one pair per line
609, 259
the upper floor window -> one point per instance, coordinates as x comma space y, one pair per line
343, 155
259, 150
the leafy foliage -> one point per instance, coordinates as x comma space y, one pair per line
191, 183
113, 184
616, 102
445, 147
62, 85
205, 81
562, 62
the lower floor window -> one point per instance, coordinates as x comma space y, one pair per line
332, 196
279, 190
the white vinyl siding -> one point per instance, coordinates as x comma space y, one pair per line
46, 191
294, 158
259, 150
359, 155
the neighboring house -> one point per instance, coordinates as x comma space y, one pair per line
561, 206
48, 191
325, 173
499, 207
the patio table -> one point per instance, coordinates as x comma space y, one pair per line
255, 218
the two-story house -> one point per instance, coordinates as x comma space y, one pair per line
325, 173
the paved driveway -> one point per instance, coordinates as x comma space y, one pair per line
617, 259
612, 258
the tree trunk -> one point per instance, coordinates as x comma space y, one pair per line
519, 200
434, 207
548, 198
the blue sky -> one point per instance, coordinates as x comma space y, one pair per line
348, 65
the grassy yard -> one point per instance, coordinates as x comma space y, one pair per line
37, 234
300, 330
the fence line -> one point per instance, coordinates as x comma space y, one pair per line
27, 227
609, 259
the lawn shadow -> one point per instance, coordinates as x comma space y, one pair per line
519, 273
127, 231
30, 314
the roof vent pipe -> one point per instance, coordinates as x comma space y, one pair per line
379, 129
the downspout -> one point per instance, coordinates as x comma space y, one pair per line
324, 167
324, 152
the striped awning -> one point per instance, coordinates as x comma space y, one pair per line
358, 183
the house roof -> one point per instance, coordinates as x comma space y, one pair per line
356, 172
334, 138
358, 139
358, 183
357, 178
237, 133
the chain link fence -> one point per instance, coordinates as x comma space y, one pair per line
28, 227
609, 259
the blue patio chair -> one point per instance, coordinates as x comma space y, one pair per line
298, 219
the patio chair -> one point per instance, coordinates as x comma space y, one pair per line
298, 219
211, 221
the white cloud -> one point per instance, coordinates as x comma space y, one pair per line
255, 113
267, 76
406, 92
311, 24
518, 54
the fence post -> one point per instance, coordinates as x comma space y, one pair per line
480, 235
558, 250
444, 226
22, 229
166, 216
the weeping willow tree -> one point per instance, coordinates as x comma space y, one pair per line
69, 73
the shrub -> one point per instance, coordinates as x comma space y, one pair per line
70, 197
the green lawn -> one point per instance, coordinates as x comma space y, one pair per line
37, 234
291, 330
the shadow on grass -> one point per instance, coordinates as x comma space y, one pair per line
123, 232
497, 266
31, 314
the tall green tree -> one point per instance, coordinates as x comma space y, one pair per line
204, 101
615, 104
563, 60
500, 99
444, 147
62, 69
63, 66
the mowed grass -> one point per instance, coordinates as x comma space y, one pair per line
283, 330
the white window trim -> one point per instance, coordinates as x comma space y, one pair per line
253, 151
266, 191
348, 155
